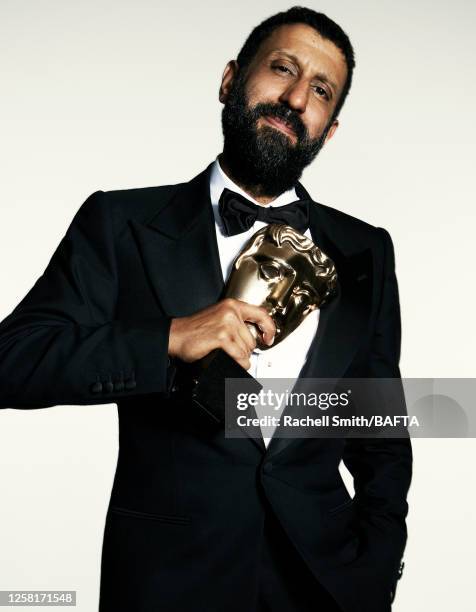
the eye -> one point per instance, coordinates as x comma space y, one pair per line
321, 92
282, 68
301, 291
270, 272
303, 297
302, 294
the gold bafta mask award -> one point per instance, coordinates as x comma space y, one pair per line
286, 273
281, 270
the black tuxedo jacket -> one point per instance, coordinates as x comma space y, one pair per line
186, 512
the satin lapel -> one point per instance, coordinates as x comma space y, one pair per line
343, 322
180, 251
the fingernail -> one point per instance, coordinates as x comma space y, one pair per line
271, 341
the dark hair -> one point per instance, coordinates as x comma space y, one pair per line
321, 23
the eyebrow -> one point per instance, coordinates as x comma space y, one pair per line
322, 76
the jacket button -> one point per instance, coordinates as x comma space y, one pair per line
96, 387
108, 387
130, 384
119, 385
268, 467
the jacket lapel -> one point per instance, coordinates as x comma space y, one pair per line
343, 321
180, 252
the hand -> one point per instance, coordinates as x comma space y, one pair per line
221, 325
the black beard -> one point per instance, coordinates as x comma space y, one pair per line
264, 159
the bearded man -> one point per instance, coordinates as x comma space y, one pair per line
197, 521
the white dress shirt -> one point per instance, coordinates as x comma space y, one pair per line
287, 358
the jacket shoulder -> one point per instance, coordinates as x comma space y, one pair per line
346, 220
139, 202
351, 230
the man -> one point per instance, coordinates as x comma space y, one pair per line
198, 521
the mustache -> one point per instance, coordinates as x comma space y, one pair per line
287, 115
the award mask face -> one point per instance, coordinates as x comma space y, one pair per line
283, 271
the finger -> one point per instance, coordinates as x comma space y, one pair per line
247, 337
258, 315
236, 351
235, 346
234, 325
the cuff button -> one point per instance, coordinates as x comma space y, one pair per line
108, 387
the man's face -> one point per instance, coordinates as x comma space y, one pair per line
278, 112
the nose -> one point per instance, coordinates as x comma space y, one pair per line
280, 296
296, 96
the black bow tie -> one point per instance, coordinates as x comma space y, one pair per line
239, 214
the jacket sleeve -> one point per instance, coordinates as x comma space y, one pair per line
382, 467
62, 343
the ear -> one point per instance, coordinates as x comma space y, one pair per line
332, 130
229, 74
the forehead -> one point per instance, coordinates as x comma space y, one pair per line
314, 53
286, 256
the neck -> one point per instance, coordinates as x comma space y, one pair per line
251, 190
